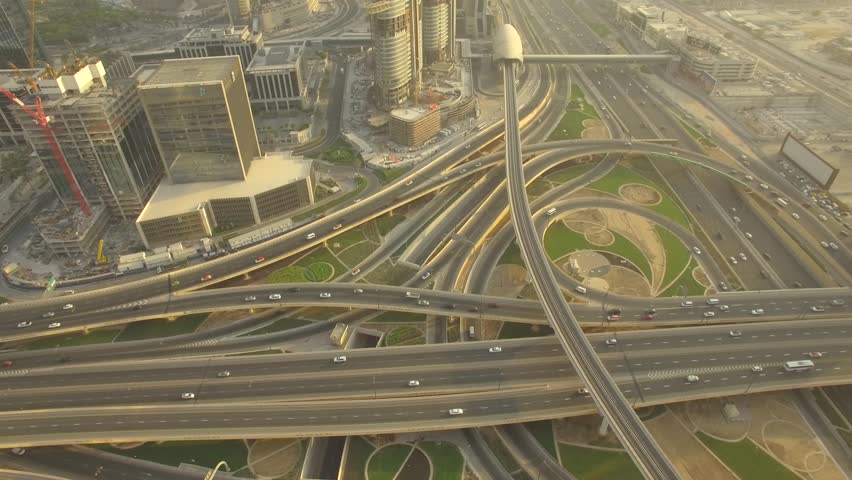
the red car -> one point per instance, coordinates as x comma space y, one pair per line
259, 259
648, 316
7, 363
206, 277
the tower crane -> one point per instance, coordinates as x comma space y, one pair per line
43, 121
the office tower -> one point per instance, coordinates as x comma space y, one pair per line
239, 11
15, 35
201, 117
439, 30
103, 132
276, 78
221, 40
395, 28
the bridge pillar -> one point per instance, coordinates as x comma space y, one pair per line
604, 428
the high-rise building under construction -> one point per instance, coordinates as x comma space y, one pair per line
396, 39
439, 30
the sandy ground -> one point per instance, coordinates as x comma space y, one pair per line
626, 282
584, 431
639, 194
600, 238
507, 280
585, 261
700, 276
595, 129
220, 319
274, 458
692, 460
643, 233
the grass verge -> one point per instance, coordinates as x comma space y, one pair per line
447, 461
677, 255
386, 462
523, 330
206, 454
543, 432
400, 317
161, 327
73, 340
359, 452
688, 281
360, 185
560, 240
747, 460
594, 464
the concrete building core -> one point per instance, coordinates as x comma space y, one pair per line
277, 184
201, 117
70, 232
439, 30
413, 127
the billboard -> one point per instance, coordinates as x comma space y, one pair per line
803, 157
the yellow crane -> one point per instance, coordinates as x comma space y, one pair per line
102, 259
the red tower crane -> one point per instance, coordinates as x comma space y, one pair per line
43, 121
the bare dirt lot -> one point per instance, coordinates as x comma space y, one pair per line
595, 129
640, 194
274, 458
507, 280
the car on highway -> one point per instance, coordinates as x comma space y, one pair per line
358, 200
648, 316
757, 311
735, 333
764, 186
610, 342
686, 303
696, 250
295, 289
815, 354
47, 314
425, 276
651, 310
250, 298
757, 369
580, 289
467, 146
733, 260
743, 256
187, 396
68, 306
414, 383
709, 314
692, 378
325, 295
749, 177
724, 308
339, 359
495, 349
583, 391
613, 317
823, 218
275, 296
259, 259
737, 219
833, 246
24, 324
474, 309
723, 286
423, 302
409, 183
310, 236
204, 278
712, 301
824, 244
8, 363
749, 235
19, 450
838, 302
795, 215
456, 411
54, 325
358, 290
817, 308
337, 226
223, 374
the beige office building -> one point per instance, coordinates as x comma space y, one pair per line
413, 127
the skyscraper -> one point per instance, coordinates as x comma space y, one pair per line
102, 130
395, 28
439, 30
201, 117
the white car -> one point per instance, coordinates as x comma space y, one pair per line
724, 308
795, 215
735, 333
325, 295
749, 236
709, 314
749, 177
757, 311
583, 391
764, 186
611, 341
425, 275
275, 296
833, 246
423, 303
818, 308
696, 250
824, 244
54, 325
823, 218
456, 411
339, 359
68, 306
838, 302
743, 256
692, 378
757, 369
187, 396
414, 383
409, 183
358, 290
24, 324
223, 374
47, 314
737, 219
495, 349
250, 298
733, 260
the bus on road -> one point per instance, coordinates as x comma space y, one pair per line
782, 202
798, 365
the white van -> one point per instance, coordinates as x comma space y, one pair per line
580, 289
550, 212
310, 236
712, 301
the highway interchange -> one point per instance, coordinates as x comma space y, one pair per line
490, 391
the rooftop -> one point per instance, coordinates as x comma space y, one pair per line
268, 172
238, 33
411, 113
181, 71
269, 58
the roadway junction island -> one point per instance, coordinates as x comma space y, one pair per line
560, 293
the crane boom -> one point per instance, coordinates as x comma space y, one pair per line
43, 121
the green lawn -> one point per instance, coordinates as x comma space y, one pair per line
388, 175
570, 126
543, 432
291, 274
357, 253
161, 328
386, 462
523, 330
600, 29
400, 317
72, 340
695, 133
404, 335
341, 153
621, 175
447, 461
388, 274
206, 454
280, 325
594, 464
321, 313
319, 272
567, 174
387, 222
747, 460
359, 452
346, 239
688, 281
512, 255
677, 255
560, 240
4, 300
321, 255
539, 186
360, 185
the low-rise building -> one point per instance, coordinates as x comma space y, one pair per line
703, 53
276, 185
275, 78
221, 40
413, 127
